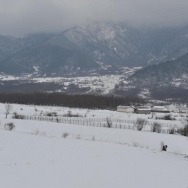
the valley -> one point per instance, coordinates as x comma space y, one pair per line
99, 58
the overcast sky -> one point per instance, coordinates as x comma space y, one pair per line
19, 17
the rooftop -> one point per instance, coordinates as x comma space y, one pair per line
143, 107
124, 107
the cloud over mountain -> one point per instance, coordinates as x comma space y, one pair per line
28, 16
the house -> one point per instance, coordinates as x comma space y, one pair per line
143, 110
126, 109
183, 110
161, 109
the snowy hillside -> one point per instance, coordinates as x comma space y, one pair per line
50, 154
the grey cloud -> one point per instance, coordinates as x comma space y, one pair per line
28, 16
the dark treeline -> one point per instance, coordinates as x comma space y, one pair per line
77, 100
171, 93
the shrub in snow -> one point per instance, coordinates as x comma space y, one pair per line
168, 117
172, 131
51, 114
109, 122
140, 123
93, 138
70, 114
156, 127
43, 133
9, 126
135, 144
17, 116
78, 136
64, 135
36, 132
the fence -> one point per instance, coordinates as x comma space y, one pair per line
95, 122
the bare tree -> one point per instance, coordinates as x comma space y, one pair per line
152, 114
184, 130
140, 123
185, 122
8, 109
156, 127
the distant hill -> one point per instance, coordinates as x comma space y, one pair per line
167, 73
46, 59
11, 45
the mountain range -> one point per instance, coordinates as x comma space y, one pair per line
100, 49
97, 47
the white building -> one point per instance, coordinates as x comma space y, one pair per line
160, 109
143, 110
184, 110
126, 109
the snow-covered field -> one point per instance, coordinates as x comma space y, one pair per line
49, 154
